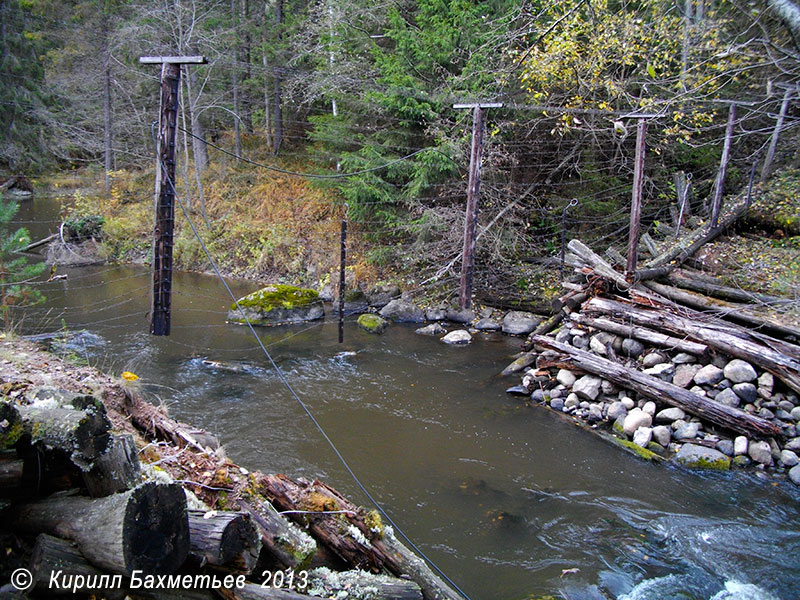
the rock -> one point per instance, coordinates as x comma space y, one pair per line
628, 403
572, 401
518, 390
728, 397
708, 375
381, 295
435, 314
354, 302
458, 337
726, 447
740, 445
688, 431
766, 381
741, 461
460, 316
565, 377
538, 395
760, 452
587, 387
608, 388
403, 311
642, 436
580, 341
649, 407
372, 323
794, 474
766, 413
785, 405
486, 324
519, 323
563, 336
684, 374
653, 359
793, 444
661, 370
746, 391
636, 418
789, 458
527, 359
668, 415
700, 457
616, 410
739, 371
783, 415
796, 413
684, 358
632, 348
557, 404
597, 346
278, 304
433, 329
662, 434
595, 413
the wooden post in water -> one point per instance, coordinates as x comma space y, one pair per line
342, 265
636, 202
161, 298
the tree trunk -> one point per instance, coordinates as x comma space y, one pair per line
145, 528
789, 12
199, 145
661, 391
237, 129
246, 101
224, 539
281, 541
107, 132
709, 286
773, 143
277, 115
117, 470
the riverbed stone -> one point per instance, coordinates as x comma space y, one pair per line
616, 410
580, 341
661, 370
608, 388
794, 474
466, 315
587, 387
683, 358
652, 359
278, 304
632, 348
557, 403
740, 445
597, 345
766, 381
563, 336
380, 295
700, 457
686, 432
595, 413
796, 413
572, 401
765, 413
708, 375
436, 329
668, 415
436, 313
372, 323
487, 324
642, 436
783, 415
565, 377
786, 405
662, 434
636, 418
649, 407
746, 391
684, 374
726, 447
518, 322
403, 311
740, 371
627, 402
789, 458
728, 397
760, 452
459, 337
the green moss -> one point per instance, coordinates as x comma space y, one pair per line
354, 296
618, 427
371, 323
278, 296
374, 522
722, 464
10, 437
741, 461
638, 450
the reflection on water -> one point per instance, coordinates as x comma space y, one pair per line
509, 500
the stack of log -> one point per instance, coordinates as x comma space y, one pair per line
684, 361
95, 520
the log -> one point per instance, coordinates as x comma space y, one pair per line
224, 539
642, 333
763, 354
117, 470
8, 183
735, 312
10, 425
710, 287
356, 583
46, 240
348, 535
594, 260
145, 528
81, 432
282, 542
719, 414
254, 591
11, 468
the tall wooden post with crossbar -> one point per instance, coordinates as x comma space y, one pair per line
161, 298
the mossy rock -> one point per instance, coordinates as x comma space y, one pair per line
278, 304
638, 450
372, 323
700, 457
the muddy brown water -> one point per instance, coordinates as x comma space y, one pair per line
503, 496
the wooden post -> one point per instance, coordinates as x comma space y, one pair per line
473, 195
161, 299
723, 168
773, 143
636, 202
342, 264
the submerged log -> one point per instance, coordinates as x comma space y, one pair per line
117, 470
224, 539
720, 414
145, 528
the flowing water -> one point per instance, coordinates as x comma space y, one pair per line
508, 499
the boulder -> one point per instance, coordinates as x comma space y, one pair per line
372, 323
789, 458
518, 322
432, 329
519, 363
557, 404
794, 474
436, 314
616, 410
642, 436
354, 302
709, 375
740, 371
728, 397
684, 374
662, 435
760, 452
740, 445
458, 337
661, 370
650, 408
486, 324
460, 316
636, 418
746, 391
381, 295
668, 415
683, 358
403, 311
700, 457
632, 348
652, 359
278, 304
587, 387
687, 431
566, 377
726, 447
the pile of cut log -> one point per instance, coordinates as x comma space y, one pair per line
88, 517
685, 368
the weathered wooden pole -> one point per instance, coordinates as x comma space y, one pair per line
473, 196
161, 299
723, 168
342, 276
773, 143
636, 202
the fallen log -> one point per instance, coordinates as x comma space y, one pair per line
641, 333
255, 591
710, 287
11, 468
719, 414
600, 266
9, 183
283, 542
145, 528
46, 240
727, 310
224, 539
720, 338
117, 470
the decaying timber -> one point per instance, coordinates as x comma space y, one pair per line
224, 539
116, 470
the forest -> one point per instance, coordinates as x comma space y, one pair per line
360, 96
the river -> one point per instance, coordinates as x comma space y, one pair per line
508, 499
